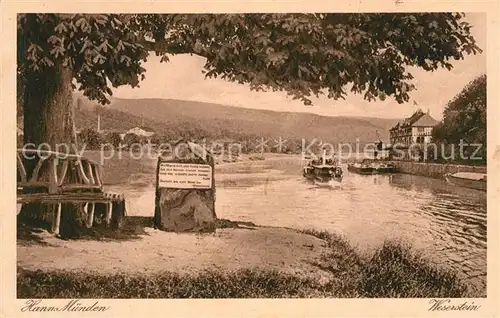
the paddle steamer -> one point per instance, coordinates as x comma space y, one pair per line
323, 171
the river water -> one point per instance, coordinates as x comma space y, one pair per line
444, 222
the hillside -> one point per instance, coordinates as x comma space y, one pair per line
176, 116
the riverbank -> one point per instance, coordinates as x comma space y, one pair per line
433, 170
241, 260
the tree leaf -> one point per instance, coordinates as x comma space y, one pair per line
81, 23
301, 54
61, 28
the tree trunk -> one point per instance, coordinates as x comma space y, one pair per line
48, 107
48, 121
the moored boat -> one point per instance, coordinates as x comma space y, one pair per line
384, 168
470, 180
360, 168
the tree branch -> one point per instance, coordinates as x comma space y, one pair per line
165, 47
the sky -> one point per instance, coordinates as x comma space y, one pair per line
182, 78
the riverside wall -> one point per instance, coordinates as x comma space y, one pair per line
434, 170
431, 170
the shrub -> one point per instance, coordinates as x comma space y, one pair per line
90, 138
130, 139
156, 140
395, 271
114, 139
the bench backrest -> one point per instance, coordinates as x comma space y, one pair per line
54, 172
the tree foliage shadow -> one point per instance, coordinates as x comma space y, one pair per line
133, 228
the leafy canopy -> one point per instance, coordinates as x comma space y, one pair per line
465, 115
301, 54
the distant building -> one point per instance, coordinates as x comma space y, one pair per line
415, 129
143, 132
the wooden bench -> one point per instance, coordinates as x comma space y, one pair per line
54, 178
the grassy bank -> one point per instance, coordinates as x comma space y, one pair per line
393, 270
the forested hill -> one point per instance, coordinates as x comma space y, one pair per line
179, 117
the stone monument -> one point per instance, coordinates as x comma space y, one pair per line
185, 189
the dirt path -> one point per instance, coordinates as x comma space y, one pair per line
228, 249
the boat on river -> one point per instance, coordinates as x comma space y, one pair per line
323, 171
471, 180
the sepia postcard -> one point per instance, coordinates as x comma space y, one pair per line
260, 159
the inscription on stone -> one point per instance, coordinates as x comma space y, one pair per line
185, 176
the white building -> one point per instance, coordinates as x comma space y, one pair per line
415, 129
142, 131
